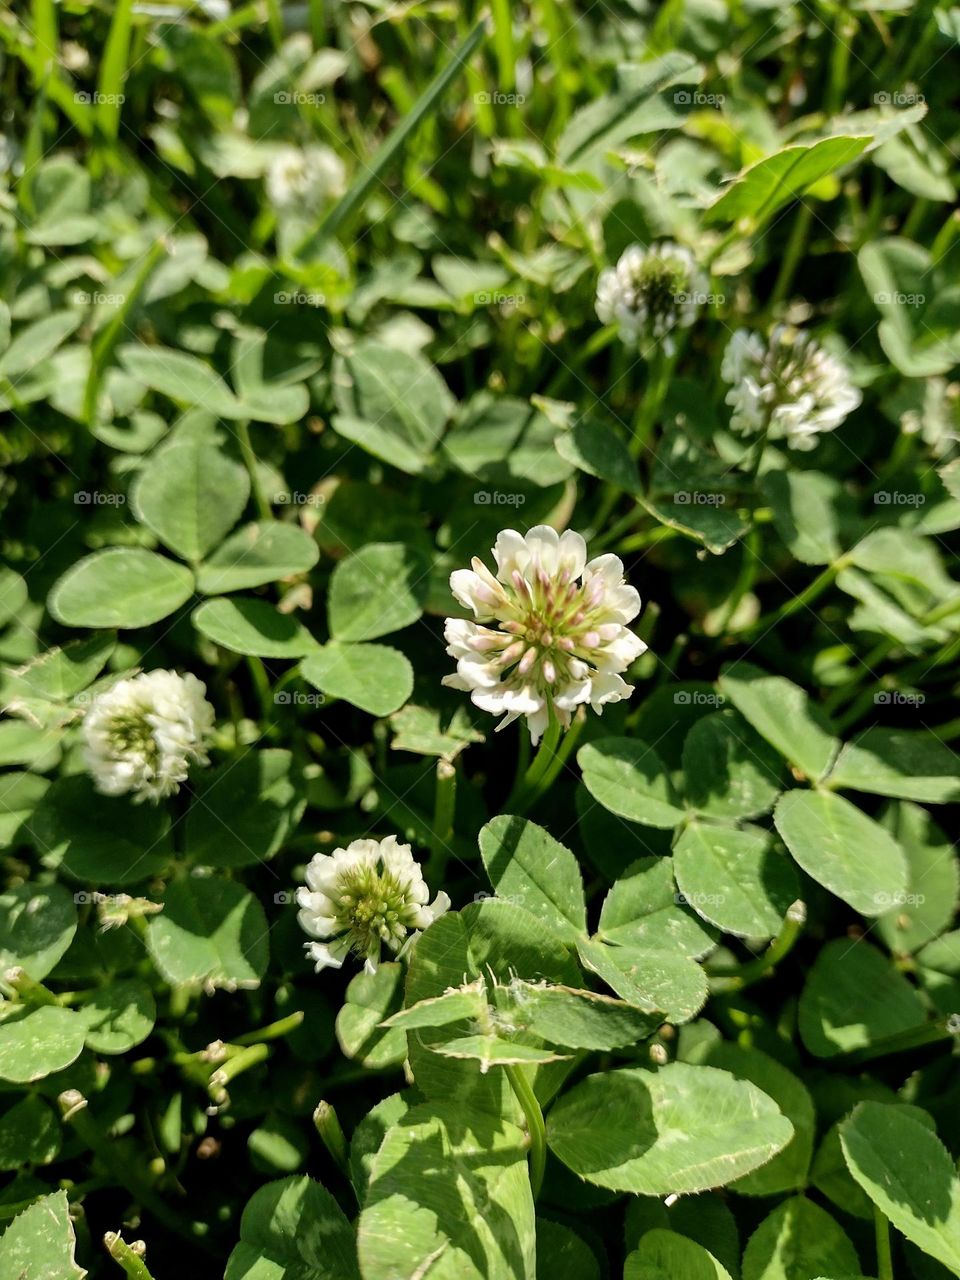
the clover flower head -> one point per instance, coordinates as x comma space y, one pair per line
651, 292
298, 179
550, 632
363, 897
787, 387
142, 734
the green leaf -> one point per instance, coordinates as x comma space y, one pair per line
20, 793
119, 1016
29, 1134
804, 505
293, 1229
370, 999
495, 1051
36, 1042
99, 840
918, 300
379, 589
628, 777
191, 495
393, 403
369, 1134
910, 764
13, 594
680, 1129
938, 967
787, 1171
563, 1255
933, 881
842, 849
729, 771
182, 378
854, 998
597, 449
123, 587
573, 1018
211, 932
257, 554
449, 1194
664, 1255
650, 980
60, 674
244, 810
39, 1244
734, 878
763, 188
37, 924
527, 866
798, 1241
466, 1002
373, 677
643, 909
782, 713
909, 1175
253, 627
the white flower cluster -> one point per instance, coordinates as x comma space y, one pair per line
787, 387
650, 292
551, 629
370, 894
298, 180
142, 735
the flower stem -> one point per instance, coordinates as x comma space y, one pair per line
132, 1262
778, 950
444, 810
250, 462
884, 1256
535, 1127
522, 796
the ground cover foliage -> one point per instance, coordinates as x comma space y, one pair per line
368, 373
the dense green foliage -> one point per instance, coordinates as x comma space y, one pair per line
299, 312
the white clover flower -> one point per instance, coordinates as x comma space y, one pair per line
787, 387
650, 292
298, 179
142, 735
550, 632
371, 893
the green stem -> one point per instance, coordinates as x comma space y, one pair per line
536, 1129
884, 1256
778, 950
661, 369
250, 462
791, 257
520, 797
811, 592
273, 1031
129, 1258
915, 1038
328, 1126
444, 811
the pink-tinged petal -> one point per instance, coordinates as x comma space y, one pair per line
511, 553
472, 592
